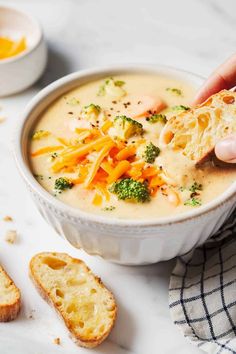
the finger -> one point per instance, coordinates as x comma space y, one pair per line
223, 78
225, 150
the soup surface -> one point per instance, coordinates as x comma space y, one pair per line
97, 149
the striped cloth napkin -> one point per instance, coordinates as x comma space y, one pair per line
202, 292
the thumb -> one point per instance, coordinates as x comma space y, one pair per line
225, 149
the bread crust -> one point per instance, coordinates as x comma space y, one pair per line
197, 130
9, 311
45, 293
205, 158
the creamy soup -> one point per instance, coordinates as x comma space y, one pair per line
97, 148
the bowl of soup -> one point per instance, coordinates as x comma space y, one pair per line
88, 147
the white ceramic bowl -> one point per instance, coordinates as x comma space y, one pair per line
123, 241
21, 71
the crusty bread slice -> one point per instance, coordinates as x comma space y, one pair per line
197, 130
10, 299
86, 306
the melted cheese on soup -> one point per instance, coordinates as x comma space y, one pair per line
97, 149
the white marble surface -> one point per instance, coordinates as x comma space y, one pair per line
192, 34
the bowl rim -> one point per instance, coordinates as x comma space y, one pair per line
79, 214
29, 50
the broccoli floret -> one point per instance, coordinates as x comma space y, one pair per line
92, 108
62, 184
180, 108
39, 134
151, 152
112, 87
174, 90
127, 127
73, 101
131, 190
109, 208
193, 202
155, 118
119, 83
91, 113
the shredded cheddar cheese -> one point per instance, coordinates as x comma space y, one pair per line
99, 160
97, 199
126, 153
46, 150
96, 164
119, 170
10, 48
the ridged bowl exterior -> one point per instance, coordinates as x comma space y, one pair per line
132, 245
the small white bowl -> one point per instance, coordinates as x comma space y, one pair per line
123, 241
21, 71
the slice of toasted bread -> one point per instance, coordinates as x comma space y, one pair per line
86, 306
196, 131
10, 300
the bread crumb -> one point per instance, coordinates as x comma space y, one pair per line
57, 341
7, 218
11, 236
31, 315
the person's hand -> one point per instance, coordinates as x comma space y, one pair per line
225, 149
224, 77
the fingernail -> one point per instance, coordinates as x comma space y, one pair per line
225, 150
